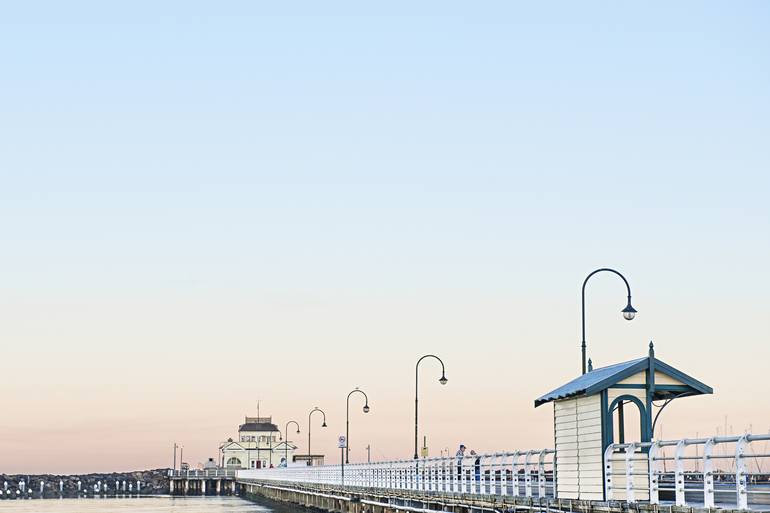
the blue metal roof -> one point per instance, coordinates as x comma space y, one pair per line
604, 377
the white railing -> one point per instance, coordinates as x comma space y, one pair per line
728, 471
517, 474
212, 472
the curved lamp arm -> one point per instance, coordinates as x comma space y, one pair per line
443, 379
628, 312
311, 414
286, 430
366, 399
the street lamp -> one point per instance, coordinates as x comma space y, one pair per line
308, 426
286, 442
347, 420
629, 312
441, 380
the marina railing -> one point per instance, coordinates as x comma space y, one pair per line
517, 474
728, 471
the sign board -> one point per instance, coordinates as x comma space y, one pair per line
342, 442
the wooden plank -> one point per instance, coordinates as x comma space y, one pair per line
566, 404
588, 415
591, 399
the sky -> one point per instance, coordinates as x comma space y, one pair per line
203, 206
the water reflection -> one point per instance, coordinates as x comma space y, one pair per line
135, 505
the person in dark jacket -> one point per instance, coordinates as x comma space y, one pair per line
477, 466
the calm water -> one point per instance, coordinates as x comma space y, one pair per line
136, 505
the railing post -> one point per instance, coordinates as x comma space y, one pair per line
630, 495
527, 475
463, 477
741, 473
492, 483
515, 475
444, 476
474, 487
608, 472
652, 466
679, 473
454, 475
504, 476
541, 474
708, 474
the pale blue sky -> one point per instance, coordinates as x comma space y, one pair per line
457, 168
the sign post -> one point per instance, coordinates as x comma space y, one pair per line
342, 443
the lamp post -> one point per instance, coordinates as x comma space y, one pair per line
286, 442
347, 419
308, 427
441, 380
628, 312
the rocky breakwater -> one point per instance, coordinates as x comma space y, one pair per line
142, 482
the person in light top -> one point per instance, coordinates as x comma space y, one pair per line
459, 457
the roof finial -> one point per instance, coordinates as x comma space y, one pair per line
590, 365
652, 349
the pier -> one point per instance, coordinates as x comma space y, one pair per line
527, 480
592, 466
203, 482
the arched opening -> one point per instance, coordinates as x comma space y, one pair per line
233, 462
628, 420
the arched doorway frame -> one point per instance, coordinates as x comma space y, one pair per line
644, 417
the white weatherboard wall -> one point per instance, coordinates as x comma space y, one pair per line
578, 439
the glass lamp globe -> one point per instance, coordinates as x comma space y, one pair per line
443, 380
629, 312
366, 408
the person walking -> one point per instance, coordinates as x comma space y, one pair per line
476, 466
459, 456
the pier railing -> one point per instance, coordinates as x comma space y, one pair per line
516, 474
199, 474
729, 471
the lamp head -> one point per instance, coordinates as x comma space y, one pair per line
443, 380
324, 424
629, 312
297, 430
366, 408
